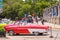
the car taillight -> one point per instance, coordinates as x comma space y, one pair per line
47, 28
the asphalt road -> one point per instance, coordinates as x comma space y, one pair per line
32, 37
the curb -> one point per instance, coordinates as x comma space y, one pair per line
54, 28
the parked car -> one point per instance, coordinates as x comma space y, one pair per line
2, 31
28, 28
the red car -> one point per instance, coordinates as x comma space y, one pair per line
29, 28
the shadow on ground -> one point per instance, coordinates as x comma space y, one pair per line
30, 35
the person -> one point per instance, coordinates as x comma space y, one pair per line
0, 20
29, 19
10, 21
37, 19
42, 20
24, 21
16, 21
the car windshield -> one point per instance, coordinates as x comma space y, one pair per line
24, 24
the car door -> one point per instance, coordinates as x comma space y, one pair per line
23, 30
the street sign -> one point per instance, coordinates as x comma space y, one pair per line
54, 13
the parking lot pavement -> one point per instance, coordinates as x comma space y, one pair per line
32, 37
28, 38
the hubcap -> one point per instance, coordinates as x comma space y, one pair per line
11, 33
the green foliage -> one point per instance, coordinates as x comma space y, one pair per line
14, 8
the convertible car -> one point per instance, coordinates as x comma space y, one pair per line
29, 28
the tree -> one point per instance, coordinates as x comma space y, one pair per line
39, 6
13, 8
25, 8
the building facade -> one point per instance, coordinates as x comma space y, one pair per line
52, 14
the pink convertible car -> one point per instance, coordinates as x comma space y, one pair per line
28, 28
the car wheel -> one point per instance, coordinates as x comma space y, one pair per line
36, 33
11, 33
